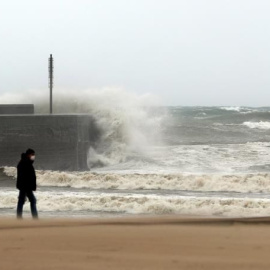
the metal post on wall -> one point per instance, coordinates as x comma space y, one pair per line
51, 82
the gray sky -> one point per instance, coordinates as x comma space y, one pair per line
187, 52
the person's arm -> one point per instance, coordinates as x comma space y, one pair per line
19, 178
34, 179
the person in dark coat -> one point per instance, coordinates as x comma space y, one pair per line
26, 183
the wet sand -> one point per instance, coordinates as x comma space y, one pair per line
136, 243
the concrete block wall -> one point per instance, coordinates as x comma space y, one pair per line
61, 142
16, 109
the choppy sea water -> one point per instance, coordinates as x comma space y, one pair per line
207, 161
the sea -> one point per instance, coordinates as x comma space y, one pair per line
194, 161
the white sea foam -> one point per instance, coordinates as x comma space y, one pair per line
258, 125
223, 158
141, 204
241, 110
243, 183
236, 109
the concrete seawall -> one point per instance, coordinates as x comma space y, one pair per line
16, 109
61, 142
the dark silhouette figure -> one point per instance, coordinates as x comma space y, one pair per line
26, 183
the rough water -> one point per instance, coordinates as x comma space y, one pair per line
174, 160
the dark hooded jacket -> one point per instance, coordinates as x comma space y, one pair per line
26, 176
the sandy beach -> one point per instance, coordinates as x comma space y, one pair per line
136, 243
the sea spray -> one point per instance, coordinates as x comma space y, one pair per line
125, 123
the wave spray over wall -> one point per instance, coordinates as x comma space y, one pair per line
125, 123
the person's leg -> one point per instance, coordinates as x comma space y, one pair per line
21, 200
33, 203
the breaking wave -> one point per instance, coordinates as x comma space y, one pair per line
258, 125
241, 110
236, 109
141, 204
257, 182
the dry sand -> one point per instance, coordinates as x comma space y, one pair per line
136, 243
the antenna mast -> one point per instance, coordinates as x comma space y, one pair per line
51, 82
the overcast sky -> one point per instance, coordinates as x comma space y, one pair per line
187, 52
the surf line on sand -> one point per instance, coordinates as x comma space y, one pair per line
9, 224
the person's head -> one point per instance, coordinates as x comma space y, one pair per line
30, 153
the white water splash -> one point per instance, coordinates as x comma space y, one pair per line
126, 122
